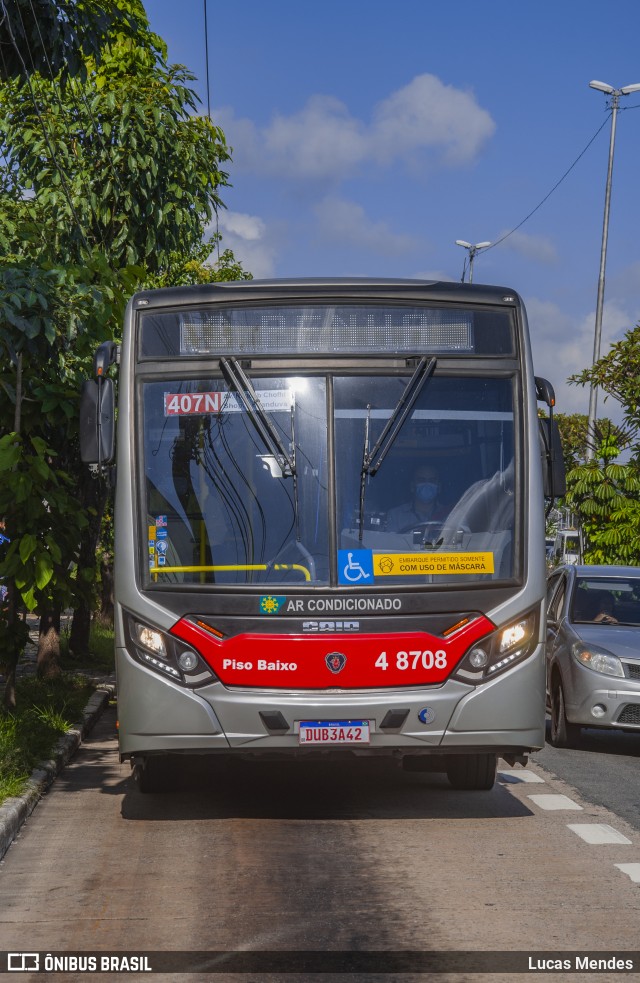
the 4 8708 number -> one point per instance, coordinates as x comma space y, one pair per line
414, 659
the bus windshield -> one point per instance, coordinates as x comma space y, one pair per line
225, 505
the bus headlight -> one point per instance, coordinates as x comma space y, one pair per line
162, 653
500, 651
150, 639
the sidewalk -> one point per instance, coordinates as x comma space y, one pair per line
15, 811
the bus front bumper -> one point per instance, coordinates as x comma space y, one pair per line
506, 715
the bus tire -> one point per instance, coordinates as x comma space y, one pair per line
151, 774
472, 772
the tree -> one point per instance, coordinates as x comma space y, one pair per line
605, 496
198, 268
107, 177
573, 433
117, 164
58, 36
618, 373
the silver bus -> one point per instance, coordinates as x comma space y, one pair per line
330, 531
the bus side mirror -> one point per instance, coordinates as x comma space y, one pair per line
553, 470
97, 422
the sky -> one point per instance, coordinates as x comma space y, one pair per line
369, 136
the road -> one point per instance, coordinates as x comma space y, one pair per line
604, 768
361, 858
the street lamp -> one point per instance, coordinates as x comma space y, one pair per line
473, 249
593, 393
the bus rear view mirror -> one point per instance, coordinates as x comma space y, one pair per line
97, 422
553, 470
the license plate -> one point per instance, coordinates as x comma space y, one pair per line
334, 732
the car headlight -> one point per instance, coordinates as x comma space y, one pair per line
597, 659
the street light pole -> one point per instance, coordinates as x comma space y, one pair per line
473, 249
593, 392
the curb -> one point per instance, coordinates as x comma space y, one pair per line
15, 811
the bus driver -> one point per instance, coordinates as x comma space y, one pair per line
424, 505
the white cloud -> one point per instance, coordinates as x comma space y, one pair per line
249, 239
319, 141
346, 222
563, 346
537, 248
324, 141
427, 113
248, 227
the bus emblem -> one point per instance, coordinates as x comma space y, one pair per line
335, 661
271, 604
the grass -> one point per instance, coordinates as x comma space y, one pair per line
100, 657
46, 710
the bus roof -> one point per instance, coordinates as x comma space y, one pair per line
324, 287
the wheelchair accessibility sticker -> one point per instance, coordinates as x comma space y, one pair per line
355, 567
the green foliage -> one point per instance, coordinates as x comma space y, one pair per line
618, 373
118, 162
43, 521
56, 36
109, 175
573, 433
605, 496
198, 268
100, 655
48, 708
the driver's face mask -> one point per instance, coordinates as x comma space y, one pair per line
426, 491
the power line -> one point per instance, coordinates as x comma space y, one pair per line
556, 185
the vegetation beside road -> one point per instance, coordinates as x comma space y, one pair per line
46, 709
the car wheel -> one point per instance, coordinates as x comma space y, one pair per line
474, 772
562, 732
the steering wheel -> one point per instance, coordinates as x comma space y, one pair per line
423, 527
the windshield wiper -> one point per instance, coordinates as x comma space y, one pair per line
371, 460
240, 383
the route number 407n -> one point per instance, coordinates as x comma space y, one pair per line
416, 659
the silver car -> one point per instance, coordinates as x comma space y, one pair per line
593, 650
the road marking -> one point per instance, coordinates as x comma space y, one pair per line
632, 870
598, 833
515, 777
554, 802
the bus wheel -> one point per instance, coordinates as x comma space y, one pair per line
474, 772
562, 733
151, 774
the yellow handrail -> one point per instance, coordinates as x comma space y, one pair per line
232, 566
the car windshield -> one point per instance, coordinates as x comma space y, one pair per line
239, 487
604, 600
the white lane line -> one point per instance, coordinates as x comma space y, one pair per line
598, 833
554, 802
632, 871
515, 777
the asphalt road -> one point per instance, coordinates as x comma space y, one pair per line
604, 768
294, 858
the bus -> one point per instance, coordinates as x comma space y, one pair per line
272, 437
